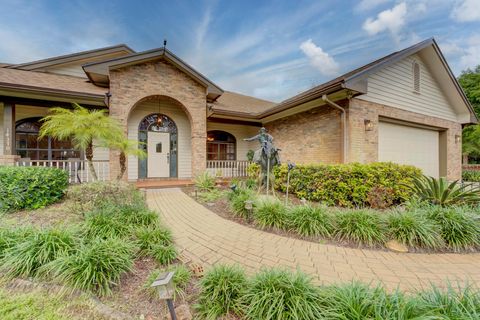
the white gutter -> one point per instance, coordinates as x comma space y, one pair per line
344, 126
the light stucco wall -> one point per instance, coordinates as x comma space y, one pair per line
240, 132
183, 128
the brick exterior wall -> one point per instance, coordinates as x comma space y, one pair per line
363, 145
313, 136
130, 85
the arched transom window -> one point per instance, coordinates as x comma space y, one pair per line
28, 145
221, 145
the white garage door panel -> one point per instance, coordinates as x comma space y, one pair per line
409, 145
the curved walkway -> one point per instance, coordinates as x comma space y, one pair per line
207, 239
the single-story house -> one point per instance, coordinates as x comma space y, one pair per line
406, 107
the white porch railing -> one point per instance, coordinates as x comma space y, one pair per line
228, 168
78, 170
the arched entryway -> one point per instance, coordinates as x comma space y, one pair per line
158, 137
163, 127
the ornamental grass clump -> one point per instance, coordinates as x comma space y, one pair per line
414, 229
452, 303
237, 201
363, 227
309, 221
359, 301
104, 225
459, 228
156, 242
271, 213
281, 294
205, 182
10, 237
221, 290
95, 266
37, 248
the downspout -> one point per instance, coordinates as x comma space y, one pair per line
344, 126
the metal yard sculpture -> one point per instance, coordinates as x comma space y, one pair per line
267, 156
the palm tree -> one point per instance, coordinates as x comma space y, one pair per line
126, 147
82, 126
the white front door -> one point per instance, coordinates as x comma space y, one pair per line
158, 148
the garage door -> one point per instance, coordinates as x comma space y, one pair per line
409, 145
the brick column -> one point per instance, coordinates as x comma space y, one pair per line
8, 160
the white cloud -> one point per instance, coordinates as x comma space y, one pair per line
391, 20
365, 5
466, 10
319, 58
470, 57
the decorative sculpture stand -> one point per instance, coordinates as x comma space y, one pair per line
267, 156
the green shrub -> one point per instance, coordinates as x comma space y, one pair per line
444, 193
414, 229
157, 242
221, 290
271, 213
104, 225
181, 278
452, 303
280, 294
348, 185
36, 249
359, 301
471, 175
93, 196
310, 221
10, 237
460, 229
163, 254
237, 201
95, 266
211, 196
205, 181
360, 226
30, 187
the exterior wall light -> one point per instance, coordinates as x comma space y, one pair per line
166, 290
368, 125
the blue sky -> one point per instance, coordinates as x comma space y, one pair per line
269, 49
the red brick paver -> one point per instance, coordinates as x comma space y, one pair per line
207, 239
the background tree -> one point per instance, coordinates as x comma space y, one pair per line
82, 126
470, 82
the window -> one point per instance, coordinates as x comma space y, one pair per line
416, 77
29, 146
221, 145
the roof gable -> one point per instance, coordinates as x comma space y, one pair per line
78, 57
99, 72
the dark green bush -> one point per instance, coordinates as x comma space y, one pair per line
363, 227
349, 185
310, 221
157, 242
35, 249
471, 175
414, 229
221, 290
280, 294
460, 229
95, 266
30, 187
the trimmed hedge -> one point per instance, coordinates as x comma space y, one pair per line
30, 187
471, 175
377, 185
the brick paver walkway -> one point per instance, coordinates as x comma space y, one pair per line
207, 239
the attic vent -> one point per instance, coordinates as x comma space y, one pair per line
416, 77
